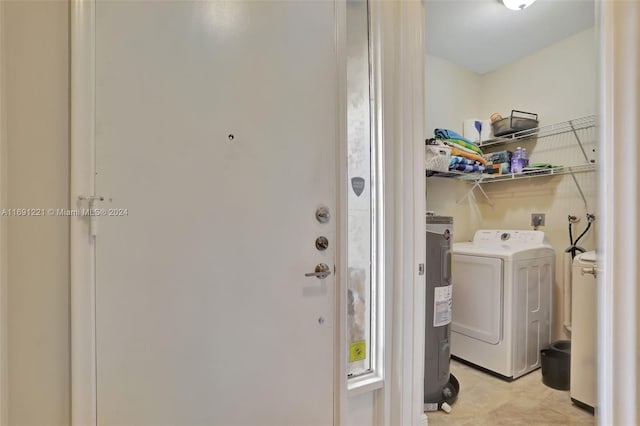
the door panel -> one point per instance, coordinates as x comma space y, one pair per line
532, 283
477, 297
215, 130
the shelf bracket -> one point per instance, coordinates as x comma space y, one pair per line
584, 200
586, 158
476, 184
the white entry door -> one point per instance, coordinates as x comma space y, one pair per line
216, 142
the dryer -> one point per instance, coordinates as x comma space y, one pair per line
502, 285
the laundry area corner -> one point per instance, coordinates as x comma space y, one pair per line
511, 149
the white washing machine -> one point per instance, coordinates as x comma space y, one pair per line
502, 285
584, 308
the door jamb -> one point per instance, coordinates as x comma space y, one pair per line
618, 274
340, 403
4, 370
408, 216
82, 259
411, 177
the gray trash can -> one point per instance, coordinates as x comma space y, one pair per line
556, 364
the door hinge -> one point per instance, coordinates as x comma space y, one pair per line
421, 269
91, 211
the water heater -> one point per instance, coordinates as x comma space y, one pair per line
440, 386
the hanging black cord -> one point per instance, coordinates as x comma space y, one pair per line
572, 247
570, 233
590, 219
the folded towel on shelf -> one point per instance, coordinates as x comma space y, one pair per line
451, 143
466, 145
499, 168
467, 168
456, 159
455, 150
531, 171
543, 166
449, 134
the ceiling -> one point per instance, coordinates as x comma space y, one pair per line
483, 35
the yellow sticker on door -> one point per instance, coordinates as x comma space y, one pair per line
358, 351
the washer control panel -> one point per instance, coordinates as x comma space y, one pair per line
509, 236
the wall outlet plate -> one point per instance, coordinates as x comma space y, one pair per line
537, 219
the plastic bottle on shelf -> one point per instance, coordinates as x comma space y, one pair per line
516, 161
524, 159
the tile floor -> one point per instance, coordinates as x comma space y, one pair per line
488, 400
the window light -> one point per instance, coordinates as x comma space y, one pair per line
517, 4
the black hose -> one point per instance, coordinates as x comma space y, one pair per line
570, 234
573, 250
584, 232
572, 247
574, 244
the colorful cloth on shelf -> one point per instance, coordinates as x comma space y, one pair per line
467, 168
449, 134
471, 156
465, 145
543, 166
456, 139
456, 159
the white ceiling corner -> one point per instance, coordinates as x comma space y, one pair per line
483, 35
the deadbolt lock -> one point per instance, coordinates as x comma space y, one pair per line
323, 215
322, 243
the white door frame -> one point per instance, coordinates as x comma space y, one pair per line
411, 184
403, 100
82, 255
4, 414
340, 334
619, 236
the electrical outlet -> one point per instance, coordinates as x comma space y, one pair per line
537, 219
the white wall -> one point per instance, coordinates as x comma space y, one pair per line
37, 135
559, 83
361, 411
452, 93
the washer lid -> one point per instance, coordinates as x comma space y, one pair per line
503, 252
505, 243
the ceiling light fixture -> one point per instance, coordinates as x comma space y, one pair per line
517, 4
